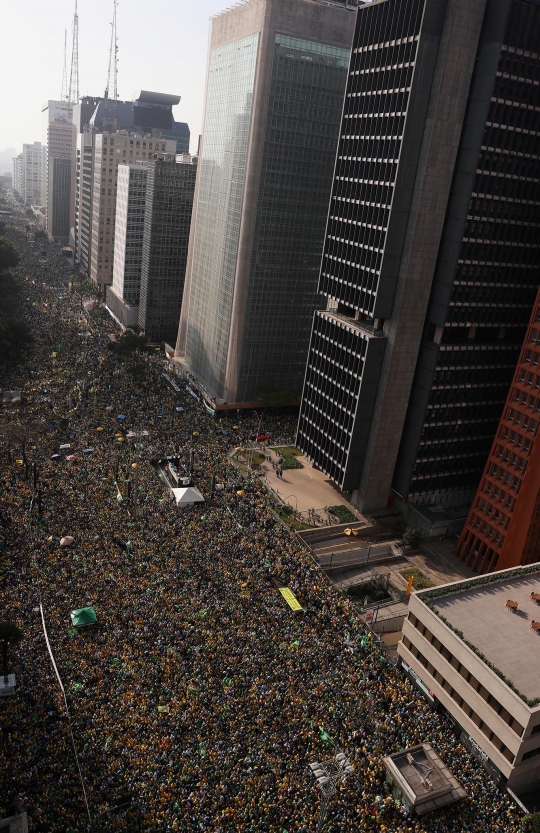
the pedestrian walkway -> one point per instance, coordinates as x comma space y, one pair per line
306, 488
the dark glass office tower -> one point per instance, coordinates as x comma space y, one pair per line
430, 259
170, 186
276, 79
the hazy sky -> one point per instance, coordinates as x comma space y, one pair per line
162, 47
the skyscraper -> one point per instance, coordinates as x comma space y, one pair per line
28, 172
503, 526
59, 174
276, 77
431, 257
148, 113
123, 295
170, 188
110, 150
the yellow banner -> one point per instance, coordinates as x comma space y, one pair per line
290, 598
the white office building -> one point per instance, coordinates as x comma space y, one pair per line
123, 295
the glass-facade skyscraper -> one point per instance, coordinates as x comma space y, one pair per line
276, 79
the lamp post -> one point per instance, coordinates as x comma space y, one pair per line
328, 775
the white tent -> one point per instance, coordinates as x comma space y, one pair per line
187, 496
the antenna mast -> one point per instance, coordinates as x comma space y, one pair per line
74, 74
110, 120
63, 94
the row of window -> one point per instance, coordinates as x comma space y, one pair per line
489, 733
467, 676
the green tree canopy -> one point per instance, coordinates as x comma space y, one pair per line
40, 235
531, 823
9, 256
273, 397
10, 634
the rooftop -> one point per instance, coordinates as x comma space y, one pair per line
424, 781
504, 637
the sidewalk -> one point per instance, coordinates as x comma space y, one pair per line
305, 488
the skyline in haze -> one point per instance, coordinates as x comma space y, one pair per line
162, 47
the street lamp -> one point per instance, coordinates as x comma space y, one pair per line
328, 775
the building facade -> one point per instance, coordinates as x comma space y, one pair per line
28, 172
169, 205
123, 295
18, 176
429, 246
110, 151
52, 111
469, 653
148, 113
61, 179
276, 77
503, 526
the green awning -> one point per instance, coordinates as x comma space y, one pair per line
83, 616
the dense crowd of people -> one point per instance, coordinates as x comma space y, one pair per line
199, 698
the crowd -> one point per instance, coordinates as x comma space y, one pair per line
199, 698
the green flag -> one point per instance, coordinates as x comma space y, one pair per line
324, 737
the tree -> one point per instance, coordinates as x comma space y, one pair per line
9, 256
531, 823
273, 397
29, 212
41, 235
411, 538
128, 343
10, 634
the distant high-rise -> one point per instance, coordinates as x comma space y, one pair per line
148, 113
59, 171
169, 204
277, 71
27, 173
109, 151
17, 176
431, 258
123, 296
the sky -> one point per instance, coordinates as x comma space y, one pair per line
162, 47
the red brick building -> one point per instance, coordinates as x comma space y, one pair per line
503, 527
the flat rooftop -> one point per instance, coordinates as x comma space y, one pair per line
503, 637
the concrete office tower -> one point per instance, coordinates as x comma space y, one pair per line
503, 527
169, 205
61, 179
18, 177
276, 77
431, 258
52, 111
111, 150
32, 172
123, 295
83, 203
27, 173
148, 113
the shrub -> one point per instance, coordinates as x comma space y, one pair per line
420, 580
411, 538
291, 462
344, 515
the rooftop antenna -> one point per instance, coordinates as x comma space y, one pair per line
74, 73
110, 120
63, 94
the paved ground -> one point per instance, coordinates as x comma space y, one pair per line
438, 562
505, 638
306, 488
